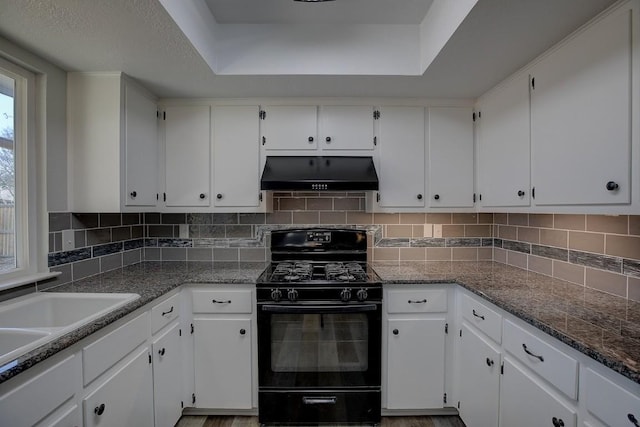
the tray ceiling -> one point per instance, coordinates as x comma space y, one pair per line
140, 38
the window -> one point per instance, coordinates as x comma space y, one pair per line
7, 174
20, 254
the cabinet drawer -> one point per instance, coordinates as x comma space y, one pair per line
164, 313
30, 402
111, 348
547, 361
417, 301
222, 301
482, 317
609, 402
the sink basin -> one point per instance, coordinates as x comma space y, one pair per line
12, 339
32, 320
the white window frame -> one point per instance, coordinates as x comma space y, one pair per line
30, 180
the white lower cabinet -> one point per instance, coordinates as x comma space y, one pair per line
167, 377
72, 417
415, 363
125, 398
525, 402
223, 363
610, 403
479, 380
50, 388
416, 327
223, 347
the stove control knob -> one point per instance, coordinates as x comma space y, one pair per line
276, 295
292, 294
345, 295
362, 295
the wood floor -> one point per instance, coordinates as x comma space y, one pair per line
211, 421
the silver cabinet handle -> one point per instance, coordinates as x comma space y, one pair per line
526, 350
329, 400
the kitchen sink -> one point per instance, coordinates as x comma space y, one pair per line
30, 321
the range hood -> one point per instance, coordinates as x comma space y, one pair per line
311, 173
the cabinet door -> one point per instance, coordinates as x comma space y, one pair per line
125, 398
402, 161
167, 378
479, 380
50, 389
290, 127
415, 357
346, 127
581, 117
141, 148
222, 352
236, 156
71, 418
503, 137
450, 157
525, 403
187, 156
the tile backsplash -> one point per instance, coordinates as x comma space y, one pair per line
597, 251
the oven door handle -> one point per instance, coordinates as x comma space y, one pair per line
319, 309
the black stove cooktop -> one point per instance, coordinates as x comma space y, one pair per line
317, 273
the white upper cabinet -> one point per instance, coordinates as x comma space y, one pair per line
503, 141
346, 127
581, 117
290, 127
450, 157
401, 157
187, 156
112, 144
141, 148
236, 156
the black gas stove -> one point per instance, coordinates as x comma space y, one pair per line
320, 265
319, 330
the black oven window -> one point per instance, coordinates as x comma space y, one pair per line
319, 342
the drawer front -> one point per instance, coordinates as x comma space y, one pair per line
482, 317
38, 397
164, 313
111, 348
222, 301
609, 402
546, 360
417, 301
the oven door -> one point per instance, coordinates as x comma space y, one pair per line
316, 345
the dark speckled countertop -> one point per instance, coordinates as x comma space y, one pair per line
602, 326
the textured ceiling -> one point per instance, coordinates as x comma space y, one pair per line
334, 12
140, 39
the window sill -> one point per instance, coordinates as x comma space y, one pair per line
25, 280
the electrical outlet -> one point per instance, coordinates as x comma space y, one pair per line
184, 231
428, 230
437, 230
68, 240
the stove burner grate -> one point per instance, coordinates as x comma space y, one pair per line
350, 272
292, 272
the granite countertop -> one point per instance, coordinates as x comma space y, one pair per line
148, 279
604, 327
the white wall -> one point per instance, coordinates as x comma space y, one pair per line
51, 96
